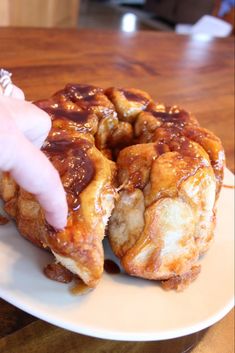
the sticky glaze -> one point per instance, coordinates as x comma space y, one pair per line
75, 167
111, 267
180, 117
134, 97
80, 288
81, 91
80, 117
57, 272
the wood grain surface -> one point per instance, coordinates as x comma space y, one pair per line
194, 73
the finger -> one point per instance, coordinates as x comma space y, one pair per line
31, 169
17, 93
33, 122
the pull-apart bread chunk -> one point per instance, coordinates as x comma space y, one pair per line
87, 176
169, 181
152, 167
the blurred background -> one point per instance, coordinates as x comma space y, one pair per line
123, 15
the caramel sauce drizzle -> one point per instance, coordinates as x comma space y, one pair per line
134, 97
111, 267
228, 186
3, 220
79, 117
75, 167
176, 118
80, 288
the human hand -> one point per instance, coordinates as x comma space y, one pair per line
23, 129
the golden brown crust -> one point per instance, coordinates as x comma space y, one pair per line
181, 282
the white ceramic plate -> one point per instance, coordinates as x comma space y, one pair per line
122, 307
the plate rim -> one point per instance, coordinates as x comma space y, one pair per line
120, 336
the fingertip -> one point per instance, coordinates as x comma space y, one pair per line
57, 215
57, 222
44, 122
17, 93
40, 123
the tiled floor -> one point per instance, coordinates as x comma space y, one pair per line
106, 15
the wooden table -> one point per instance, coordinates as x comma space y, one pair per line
196, 73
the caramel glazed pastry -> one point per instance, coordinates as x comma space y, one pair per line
146, 174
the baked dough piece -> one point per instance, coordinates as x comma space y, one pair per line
88, 179
169, 181
160, 121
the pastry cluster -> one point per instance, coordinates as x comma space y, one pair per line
142, 173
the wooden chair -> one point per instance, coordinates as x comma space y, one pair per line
39, 13
228, 17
